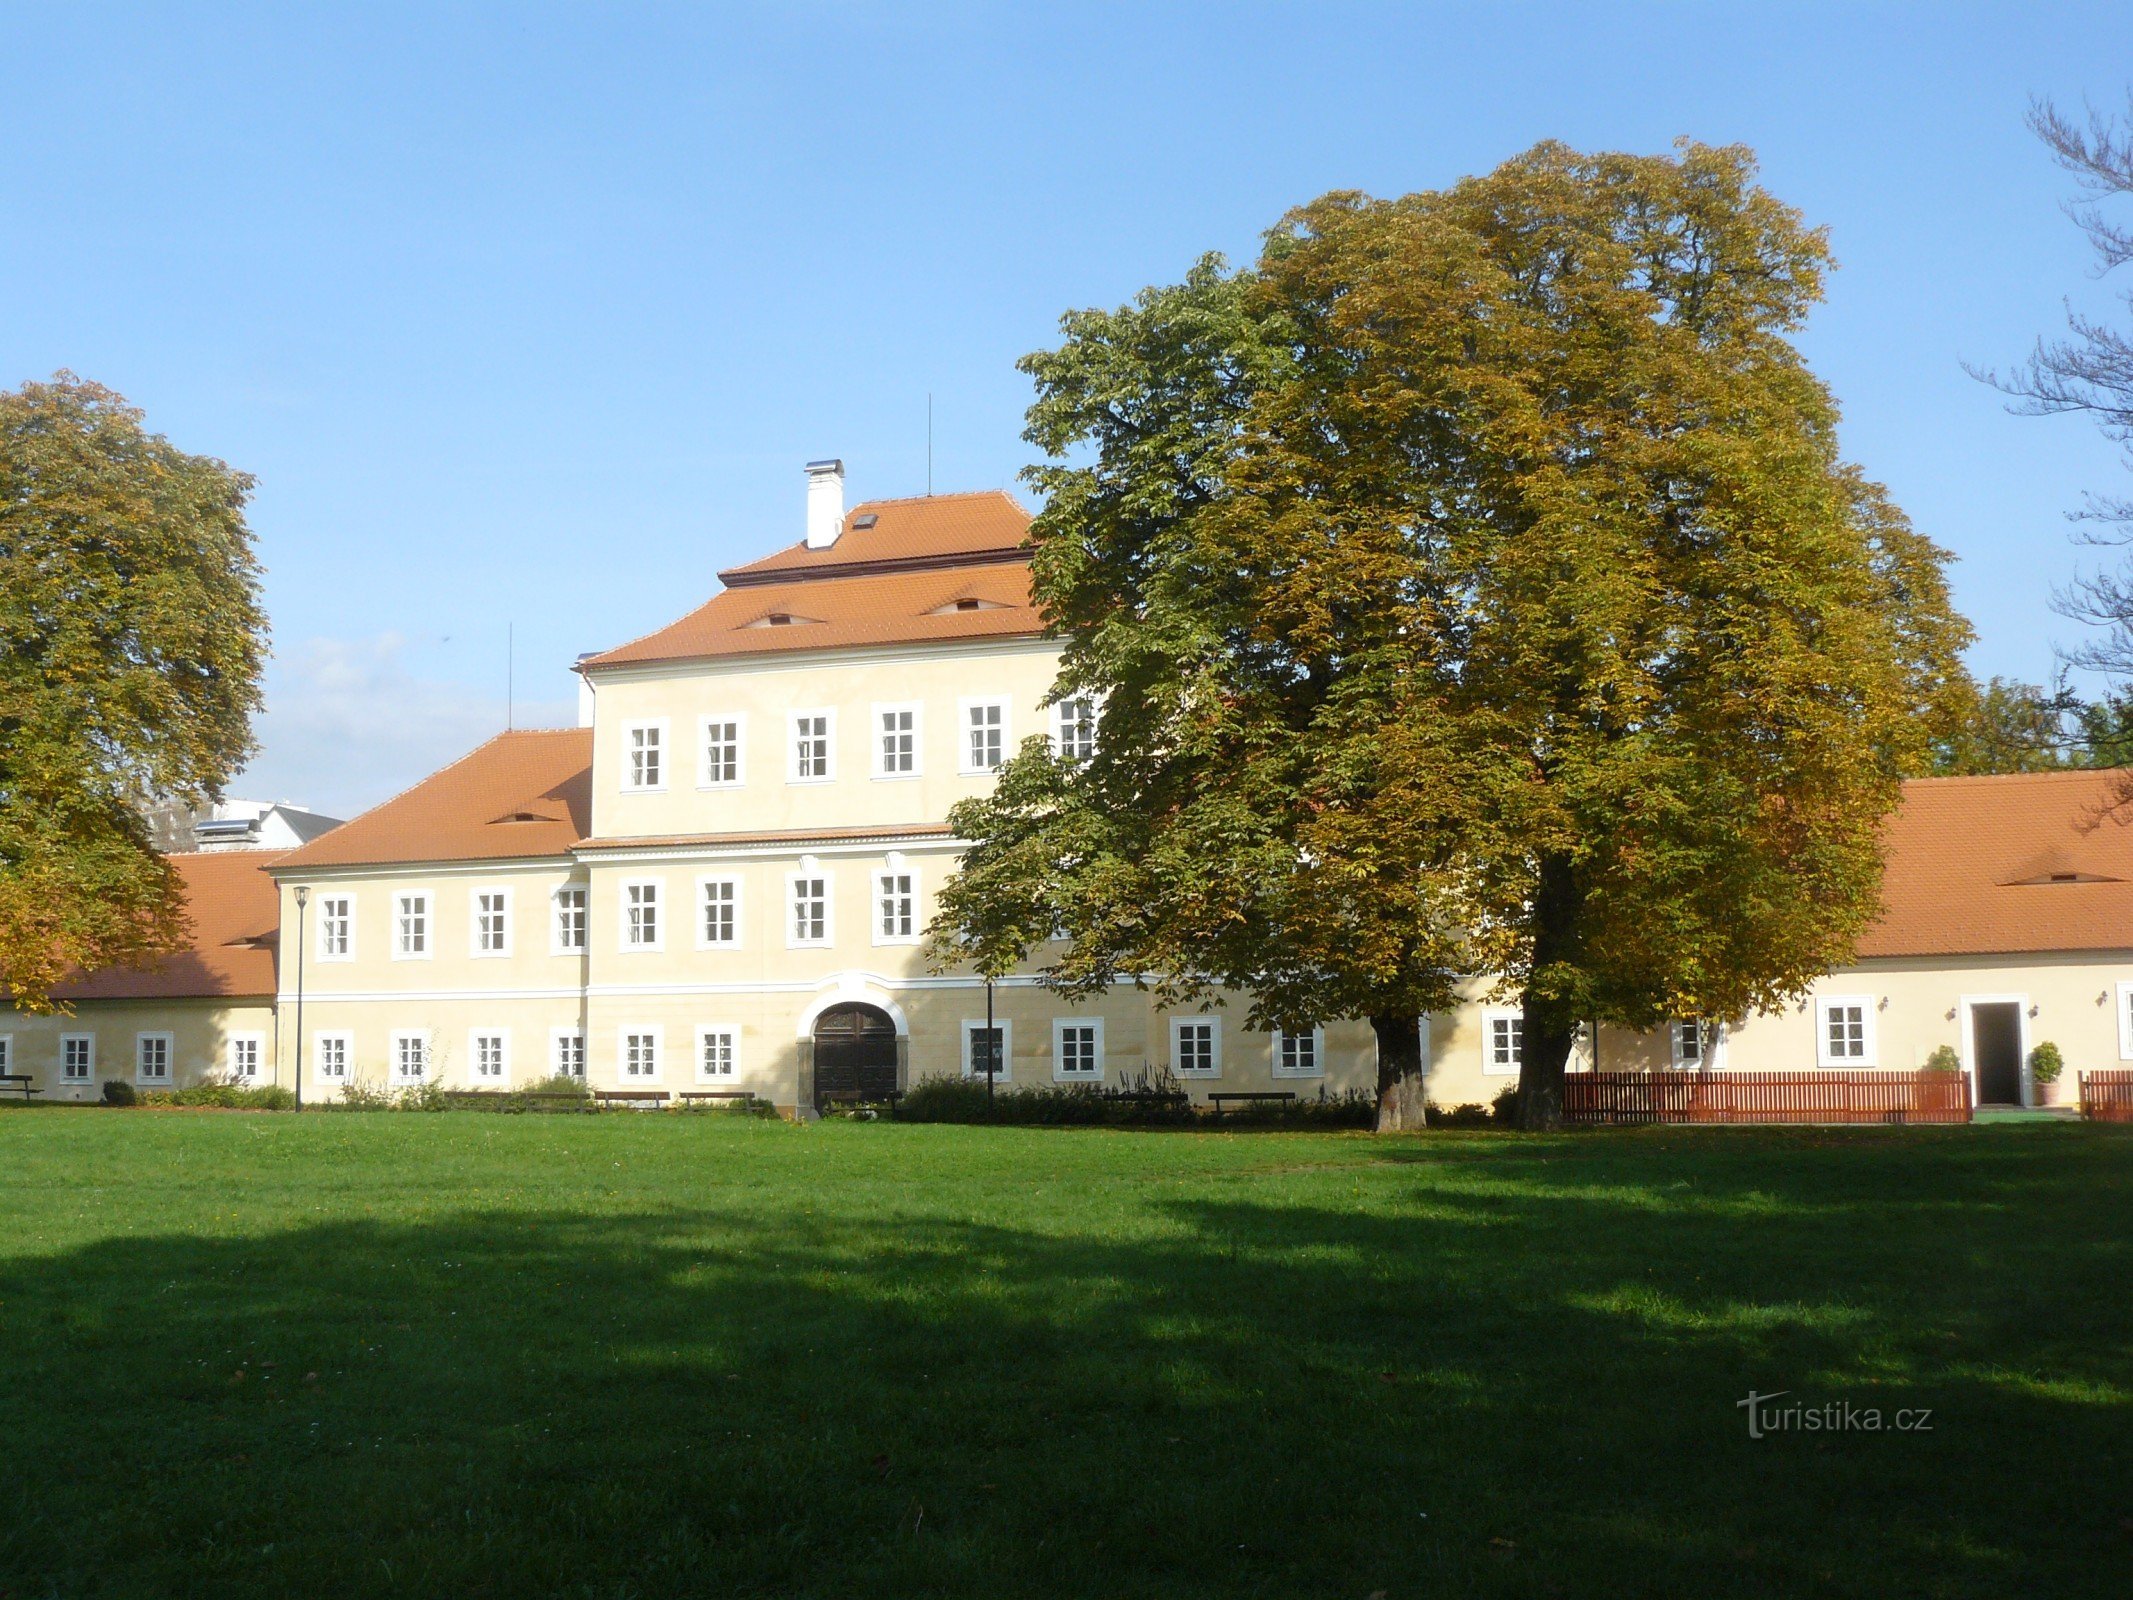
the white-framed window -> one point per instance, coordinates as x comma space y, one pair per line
151, 1057
1078, 1049
896, 736
718, 747
718, 1053
247, 1052
639, 1052
1074, 728
489, 1055
411, 927
984, 735
642, 925
1844, 1030
566, 1052
7, 1052
411, 1055
77, 1057
644, 755
336, 927
718, 913
810, 744
568, 925
1696, 1044
1196, 1047
491, 911
2125, 1022
1299, 1055
981, 1045
1503, 1042
330, 1053
807, 920
896, 907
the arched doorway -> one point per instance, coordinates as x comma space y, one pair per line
855, 1055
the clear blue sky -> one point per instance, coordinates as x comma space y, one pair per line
533, 316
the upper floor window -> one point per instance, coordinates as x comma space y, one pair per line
896, 907
721, 901
896, 741
644, 756
411, 926
640, 915
336, 927
1075, 728
810, 746
492, 922
810, 909
984, 734
721, 753
570, 918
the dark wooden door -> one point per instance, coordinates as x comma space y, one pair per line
1996, 1035
855, 1055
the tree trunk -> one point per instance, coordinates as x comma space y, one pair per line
1400, 1073
1549, 1027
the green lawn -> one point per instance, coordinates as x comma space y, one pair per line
654, 1355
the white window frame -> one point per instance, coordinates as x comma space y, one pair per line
703, 889
88, 1066
258, 1042
972, 1027
326, 920
650, 1031
658, 941
1059, 723
880, 764
1824, 1057
662, 747
793, 880
400, 1038
475, 929
1317, 1036
879, 878
828, 714
1714, 1045
2125, 1021
1490, 1017
319, 1043
964, 728
1213, 1069
475, 1076
7, 1052
401, 900
707, 1031
1059, 1030
739, 723
169, 1043
556, 944
557, 1066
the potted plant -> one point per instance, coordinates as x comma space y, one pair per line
2045, 1065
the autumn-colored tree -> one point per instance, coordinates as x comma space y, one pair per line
1473, 587
2009, 726
131, 639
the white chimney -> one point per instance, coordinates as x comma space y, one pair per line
825, 503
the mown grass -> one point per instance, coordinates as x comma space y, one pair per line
623, 1356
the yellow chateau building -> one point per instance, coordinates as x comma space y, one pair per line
720, 882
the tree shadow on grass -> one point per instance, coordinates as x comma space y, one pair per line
1504, 1374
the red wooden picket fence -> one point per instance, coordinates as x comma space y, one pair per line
1899, 1097
2107, 1096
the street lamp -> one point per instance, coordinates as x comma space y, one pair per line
303, 898
992, 1048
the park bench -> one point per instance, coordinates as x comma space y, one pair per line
630, 1097
484, 1097
1223, 1102
744, 1096
20, 1080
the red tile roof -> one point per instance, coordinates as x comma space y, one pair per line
1972, 864
934, 528
234, 910
526, 793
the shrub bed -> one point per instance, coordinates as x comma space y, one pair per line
1080, 1105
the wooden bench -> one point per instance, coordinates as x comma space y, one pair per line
744, 1096
1223, 1102
630, 1097
20, 1080
483, 1097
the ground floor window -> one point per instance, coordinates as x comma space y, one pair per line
986, 1051
7, 1052
716, 1053
1504, 1044
331, 1055
569, 1053
244, 1056
77, 1057
1845, 1031
640, 1053
411, 1057
1195, 1047
1690, 1036
1078, 1049
491, 1053
1299, 1055
151, 1057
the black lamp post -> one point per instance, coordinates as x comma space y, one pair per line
992, 1047
303, 898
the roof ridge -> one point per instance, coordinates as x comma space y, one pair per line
953, 494
2061, 774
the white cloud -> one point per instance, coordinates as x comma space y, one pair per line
348, 724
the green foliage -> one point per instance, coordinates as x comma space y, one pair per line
1943, 1059
367, 1094
118, 1092
2046, 1063
224, 1095
131, 638
2007, 726
559, 1083
963, 1100
1472, 586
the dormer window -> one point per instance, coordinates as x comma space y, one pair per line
968, 605
779, 619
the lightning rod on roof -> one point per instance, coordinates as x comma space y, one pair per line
929, 444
